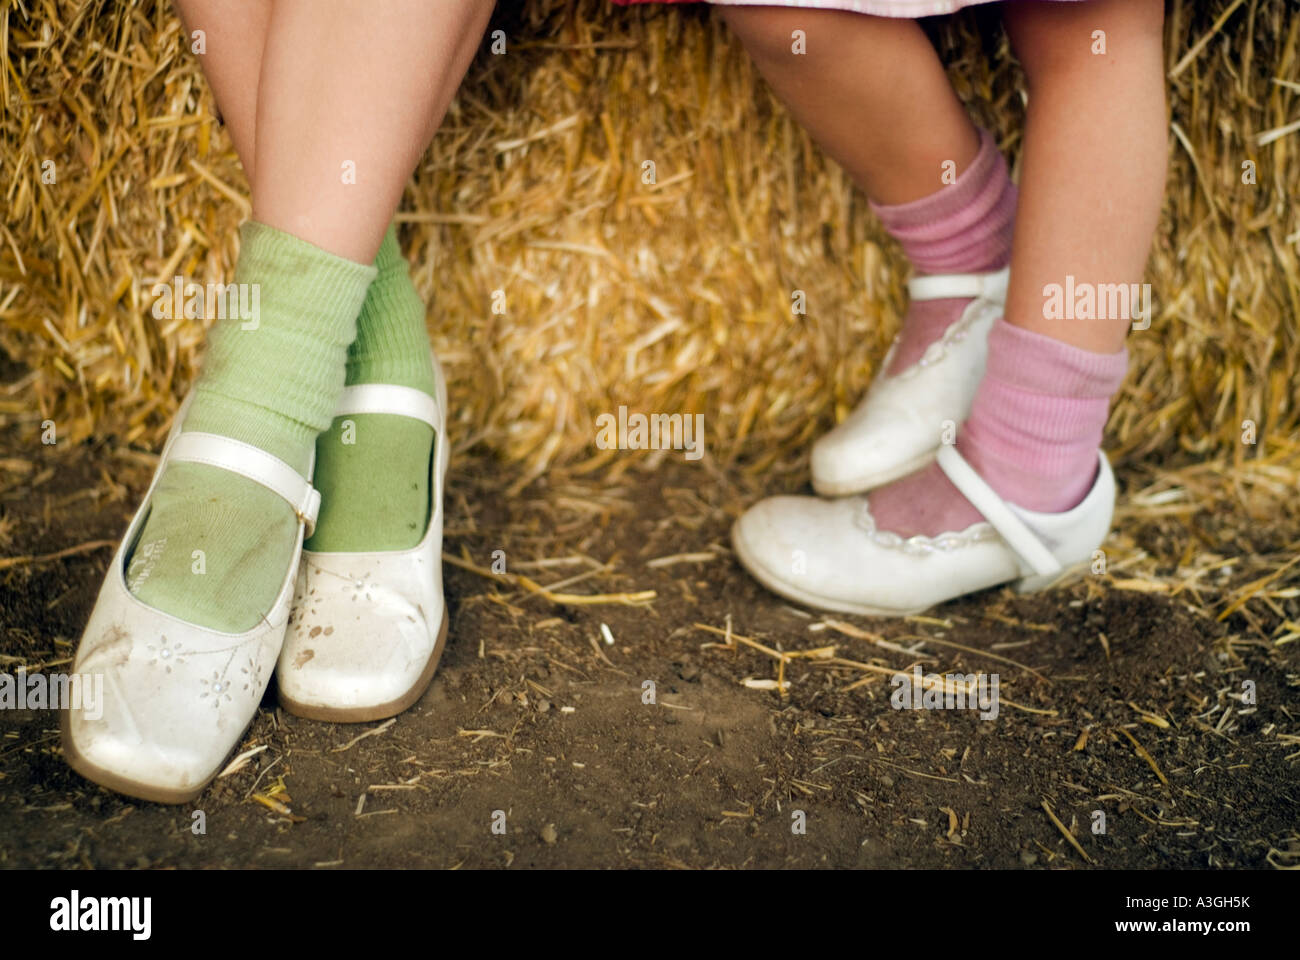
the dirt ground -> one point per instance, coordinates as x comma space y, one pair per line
1121, 701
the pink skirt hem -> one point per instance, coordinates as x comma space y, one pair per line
877, 8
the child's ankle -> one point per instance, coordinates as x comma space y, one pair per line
1038, 417
964, 227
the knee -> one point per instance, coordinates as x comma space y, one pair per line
1055, 48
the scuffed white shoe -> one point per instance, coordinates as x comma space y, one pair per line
177, 696
828, 553
368, 628
899, 426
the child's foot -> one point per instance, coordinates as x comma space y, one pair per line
368, 622
898, 427
373, 468
832, 555
192, 614
1027, 457
964, 227
368, 626
934, 366
215, 546
1033, 433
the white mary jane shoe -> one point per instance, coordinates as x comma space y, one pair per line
829, 554
898, 427
177, 697
368, 628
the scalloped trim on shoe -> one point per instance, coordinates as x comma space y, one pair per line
919, 544
986, 296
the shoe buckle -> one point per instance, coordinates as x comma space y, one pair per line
308, 511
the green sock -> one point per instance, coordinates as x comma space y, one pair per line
372, 470
275, 386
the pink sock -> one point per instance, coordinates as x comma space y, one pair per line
965, 227
1033, 435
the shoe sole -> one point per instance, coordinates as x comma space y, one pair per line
871, 481
1023, 585
1036, 584
382, 711
124, 785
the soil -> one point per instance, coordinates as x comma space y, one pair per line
533, 713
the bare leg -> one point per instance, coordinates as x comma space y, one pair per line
1095, 156
861, 90
348, 99
872, 92
235, 32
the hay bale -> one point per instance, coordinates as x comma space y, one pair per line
669, 297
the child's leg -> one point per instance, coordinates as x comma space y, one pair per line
349, 97
235, 36
338, 89
1095, 156
869, 90
374, 491
872, 92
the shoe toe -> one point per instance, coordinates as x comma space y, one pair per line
795, 544
164, 715
110, 751
356, 649
870, 448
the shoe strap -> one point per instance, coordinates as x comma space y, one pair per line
996, 511
945, 286
253, 463
390, 399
